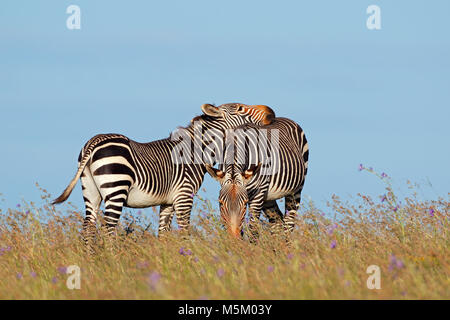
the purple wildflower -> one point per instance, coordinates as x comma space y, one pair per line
33, 274
19, 275
392, 259
396, 208
185, 252
361, 167
384, 175
395, 263
62, 270
153, 279
142, 265
196, 259
391, 267
431, 212
383, 198
269, 268
331, 229
290, 256
54, 280
333, 244
18, 205
220, 272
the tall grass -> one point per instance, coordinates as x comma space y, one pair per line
327, 258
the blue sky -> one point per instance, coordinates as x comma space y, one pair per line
377, 97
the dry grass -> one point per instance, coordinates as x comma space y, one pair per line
328, 258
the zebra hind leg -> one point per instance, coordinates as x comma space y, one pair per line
92, 200
114, 202
275, 217
166, 213
292, 206
113, 210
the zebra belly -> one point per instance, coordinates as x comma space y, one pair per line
274, 194
140, 199
280, 188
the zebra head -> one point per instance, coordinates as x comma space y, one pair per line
236, 114
233, 196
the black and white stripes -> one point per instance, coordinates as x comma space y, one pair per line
122, 172
262, 164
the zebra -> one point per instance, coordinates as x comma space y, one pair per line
258, 173
125, 173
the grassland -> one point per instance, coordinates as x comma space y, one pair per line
327, 258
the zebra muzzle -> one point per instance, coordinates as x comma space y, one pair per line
234, 231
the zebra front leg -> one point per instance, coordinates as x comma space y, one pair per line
165, 219
292, 206
254, 210
275, 217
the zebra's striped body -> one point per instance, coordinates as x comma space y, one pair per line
122, 172
259, 171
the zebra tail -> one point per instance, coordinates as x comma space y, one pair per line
305, 152
66, 193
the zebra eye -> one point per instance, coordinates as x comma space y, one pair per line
240, 109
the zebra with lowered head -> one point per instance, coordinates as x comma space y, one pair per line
122, 172
261, 165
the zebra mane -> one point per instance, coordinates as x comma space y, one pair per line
202, 117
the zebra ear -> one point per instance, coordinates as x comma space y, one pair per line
215, 173
269, 115
211, 110
250, 172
